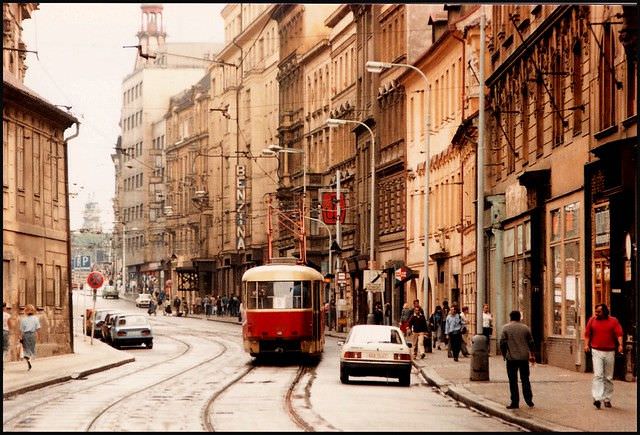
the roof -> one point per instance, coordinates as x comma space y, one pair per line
24, 96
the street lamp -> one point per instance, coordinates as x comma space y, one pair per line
376, 68
124, 263
274, 150
336, 122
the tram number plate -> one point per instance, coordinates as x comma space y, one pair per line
377, 355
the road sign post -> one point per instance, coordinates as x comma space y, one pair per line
95, 280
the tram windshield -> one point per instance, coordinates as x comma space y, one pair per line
278, 295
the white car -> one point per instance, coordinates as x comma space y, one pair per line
143, 300
375, 350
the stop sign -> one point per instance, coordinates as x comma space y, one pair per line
95, 280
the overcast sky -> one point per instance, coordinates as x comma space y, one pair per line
81, 63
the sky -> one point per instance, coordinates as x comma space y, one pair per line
81, 63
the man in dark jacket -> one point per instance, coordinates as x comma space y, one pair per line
418, 326
516, 345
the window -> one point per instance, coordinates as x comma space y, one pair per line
565, 268
632, 86
539, 115
39, 285
577, 87
607, 78
558, 100
517, 254
279, 294
524, 114
5, 153
20, 159
22, 283
53, 147
36, 164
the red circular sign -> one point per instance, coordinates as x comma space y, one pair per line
95, 279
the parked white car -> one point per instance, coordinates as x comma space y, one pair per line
375, 350
143, 300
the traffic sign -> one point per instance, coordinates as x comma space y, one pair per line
95, 280
401, 273
374, 281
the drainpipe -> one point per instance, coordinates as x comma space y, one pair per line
66, 183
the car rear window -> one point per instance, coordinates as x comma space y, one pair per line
133, 321
374, 335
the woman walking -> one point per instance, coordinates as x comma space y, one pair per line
29, 326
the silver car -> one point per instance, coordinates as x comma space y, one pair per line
131, 330
375, 350
110, 291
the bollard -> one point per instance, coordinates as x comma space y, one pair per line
479, 358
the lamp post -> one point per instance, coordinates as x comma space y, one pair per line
376, 68
336, 122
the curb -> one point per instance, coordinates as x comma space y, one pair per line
485, 405
65, 378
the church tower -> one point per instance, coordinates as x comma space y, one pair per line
151, 36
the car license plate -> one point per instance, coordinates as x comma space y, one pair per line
378, 355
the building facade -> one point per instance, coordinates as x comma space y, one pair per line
161, 70
561, 111
35, 219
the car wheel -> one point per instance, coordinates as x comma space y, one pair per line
405, 379
344, 376
149, 344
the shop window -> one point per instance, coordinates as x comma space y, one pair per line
565, 269
516, 244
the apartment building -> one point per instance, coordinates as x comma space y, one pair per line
161, 70
35, 216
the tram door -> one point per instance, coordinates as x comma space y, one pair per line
316, 304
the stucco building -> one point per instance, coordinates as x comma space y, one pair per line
35, 216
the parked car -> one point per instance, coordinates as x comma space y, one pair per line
143, 300
109, 291
106, 325
131, 330
99, 317
375, 350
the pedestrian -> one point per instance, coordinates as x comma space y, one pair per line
29, 327
5, 331
453, 331
387, 313
436, 321
487, 322
465, 332
602, 337
405, 315
152, 308
418, 327
176, 305
516, 345
377, 313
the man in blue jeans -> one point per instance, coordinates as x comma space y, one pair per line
516, 345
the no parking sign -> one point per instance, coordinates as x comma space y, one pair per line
95, 280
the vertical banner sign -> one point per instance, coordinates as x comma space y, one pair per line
241, 211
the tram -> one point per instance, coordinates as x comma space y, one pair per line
283, 313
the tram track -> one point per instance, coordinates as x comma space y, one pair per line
61, 397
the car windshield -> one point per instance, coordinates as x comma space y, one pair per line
374, 335
133, 321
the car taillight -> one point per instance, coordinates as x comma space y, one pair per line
121, 333
146, 332
402, 357
353, 355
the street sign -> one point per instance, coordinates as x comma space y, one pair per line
341, 277
401, 273
374, 281
95, 280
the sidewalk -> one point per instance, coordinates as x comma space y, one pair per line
87, 359
562, 397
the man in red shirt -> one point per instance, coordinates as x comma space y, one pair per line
603, 336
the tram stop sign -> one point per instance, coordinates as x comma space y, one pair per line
95, 280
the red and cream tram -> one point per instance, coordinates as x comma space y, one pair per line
282, 310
